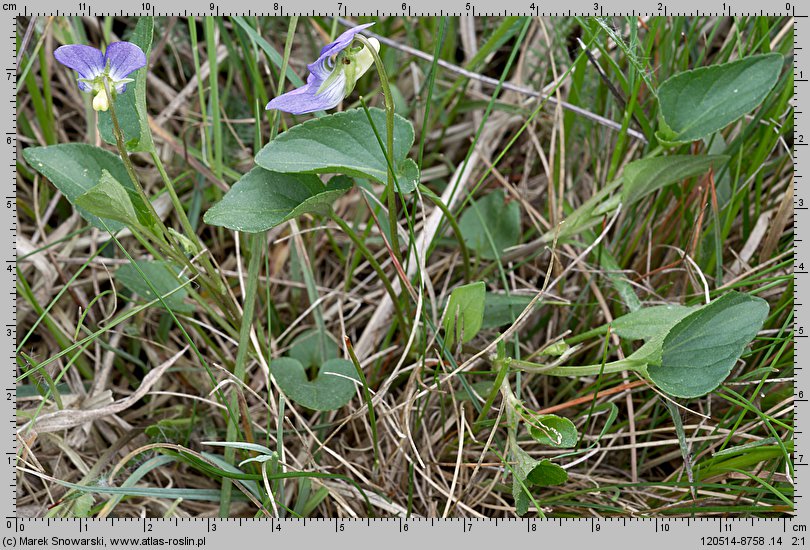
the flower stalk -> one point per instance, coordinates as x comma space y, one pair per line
130, 168
585, 370
210, 279
392, 188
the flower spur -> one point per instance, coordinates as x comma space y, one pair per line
97, 70
331, 77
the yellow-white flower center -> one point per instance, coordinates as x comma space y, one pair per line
101, 102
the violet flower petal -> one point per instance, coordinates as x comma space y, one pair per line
342, 42
85, 60
306, 99
123, 58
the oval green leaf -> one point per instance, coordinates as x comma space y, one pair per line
697, 103
75, 168
552, 430
164, 278
330, 390
262, 199
546, 474
700, 350
465, 313
645, 176
343, 143
649, 321
489, 225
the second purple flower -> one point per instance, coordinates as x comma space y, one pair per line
331, 77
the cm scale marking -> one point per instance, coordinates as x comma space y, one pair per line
403, 532
396, 533
411, 8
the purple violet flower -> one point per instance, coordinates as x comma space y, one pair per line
331, 77
95, 69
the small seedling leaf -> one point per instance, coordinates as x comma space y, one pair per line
465, 313
552, 430
333, 387
489, 225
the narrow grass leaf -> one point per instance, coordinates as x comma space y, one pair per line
241, 445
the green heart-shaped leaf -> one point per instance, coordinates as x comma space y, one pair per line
343, 143
700, 350
489, 226
262, 199
75, 168
330, 390
313, 347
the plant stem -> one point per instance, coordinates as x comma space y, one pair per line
256, 248
367, 397
582, 336
211, 278
503, 368
122, 150
391, 190
178, 206
437, 200
586, 370
214, 282
361, 246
